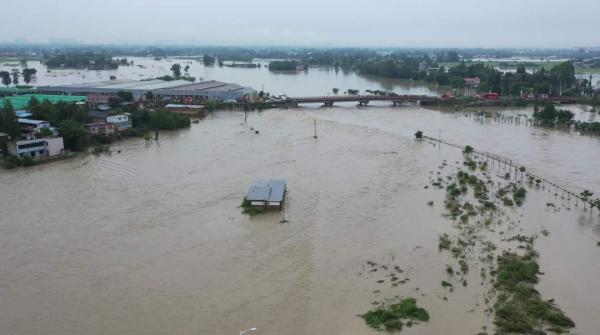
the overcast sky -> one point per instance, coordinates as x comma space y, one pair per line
401, 23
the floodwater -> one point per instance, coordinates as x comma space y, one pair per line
152, 241
315, 81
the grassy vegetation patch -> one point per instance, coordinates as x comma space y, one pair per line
247, 208
11, 162
520, 308
393, 316
444, 242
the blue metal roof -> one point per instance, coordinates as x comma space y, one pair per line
277, 190
22, 114
272, 191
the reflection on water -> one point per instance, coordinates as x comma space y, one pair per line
152, 241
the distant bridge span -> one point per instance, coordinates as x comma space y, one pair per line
364, 99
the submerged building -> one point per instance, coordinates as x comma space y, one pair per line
36, 148
269, 194
176, 90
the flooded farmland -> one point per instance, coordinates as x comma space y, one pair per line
151, 240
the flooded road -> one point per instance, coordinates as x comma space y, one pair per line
152, 240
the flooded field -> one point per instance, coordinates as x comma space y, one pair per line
152, 240
315, 81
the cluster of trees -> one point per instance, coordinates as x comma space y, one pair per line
124, 62
549, 115
145, 120
490, 78
208, 60
284, 65
176, 70
8, 121
558, 80
78, 59
13, 77
588, 127
397, 66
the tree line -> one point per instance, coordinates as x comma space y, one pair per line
9, 78
78, 59
550, 116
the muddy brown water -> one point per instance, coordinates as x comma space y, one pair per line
151, 240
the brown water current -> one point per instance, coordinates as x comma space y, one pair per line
152, 240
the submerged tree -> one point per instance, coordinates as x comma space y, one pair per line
8, 120
27, 74
176, 68
5, 76
15, 77
468, 149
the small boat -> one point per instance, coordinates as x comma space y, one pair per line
195, 121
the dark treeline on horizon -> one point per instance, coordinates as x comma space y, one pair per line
248, 52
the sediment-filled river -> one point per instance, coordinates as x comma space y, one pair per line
151, 239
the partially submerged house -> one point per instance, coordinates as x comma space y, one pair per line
269, 194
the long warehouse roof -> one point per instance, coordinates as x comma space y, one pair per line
145, 85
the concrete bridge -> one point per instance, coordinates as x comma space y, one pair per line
364, 100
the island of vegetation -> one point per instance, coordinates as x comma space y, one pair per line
284, 65
84, 60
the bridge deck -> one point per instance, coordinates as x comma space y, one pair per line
397, 98
330, 99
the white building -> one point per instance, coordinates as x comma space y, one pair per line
32, 148
121, 121
28, 125
36, 148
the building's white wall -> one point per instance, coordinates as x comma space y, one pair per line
117, 118
41, 145
55, 146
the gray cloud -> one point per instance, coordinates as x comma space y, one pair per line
409, 23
